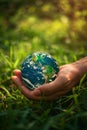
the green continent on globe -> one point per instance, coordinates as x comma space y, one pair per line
50, 72
39, 68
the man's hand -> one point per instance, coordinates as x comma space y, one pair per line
67, 78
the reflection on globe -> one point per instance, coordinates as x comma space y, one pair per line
39, 68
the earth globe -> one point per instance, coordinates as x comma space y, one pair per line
38, 68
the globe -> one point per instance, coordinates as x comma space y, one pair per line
38, 68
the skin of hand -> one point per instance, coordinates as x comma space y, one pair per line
67, 78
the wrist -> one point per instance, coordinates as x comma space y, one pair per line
81, 65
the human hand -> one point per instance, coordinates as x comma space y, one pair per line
67, 78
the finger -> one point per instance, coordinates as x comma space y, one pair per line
57, 85
17, 72
63, 66
54, 96
35, 94
59, 93
16, 80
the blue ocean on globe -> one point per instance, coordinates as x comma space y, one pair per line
38, 68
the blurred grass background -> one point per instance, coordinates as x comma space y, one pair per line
58, 27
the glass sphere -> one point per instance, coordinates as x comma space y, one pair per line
38, 68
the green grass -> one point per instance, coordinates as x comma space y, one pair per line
18, 113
